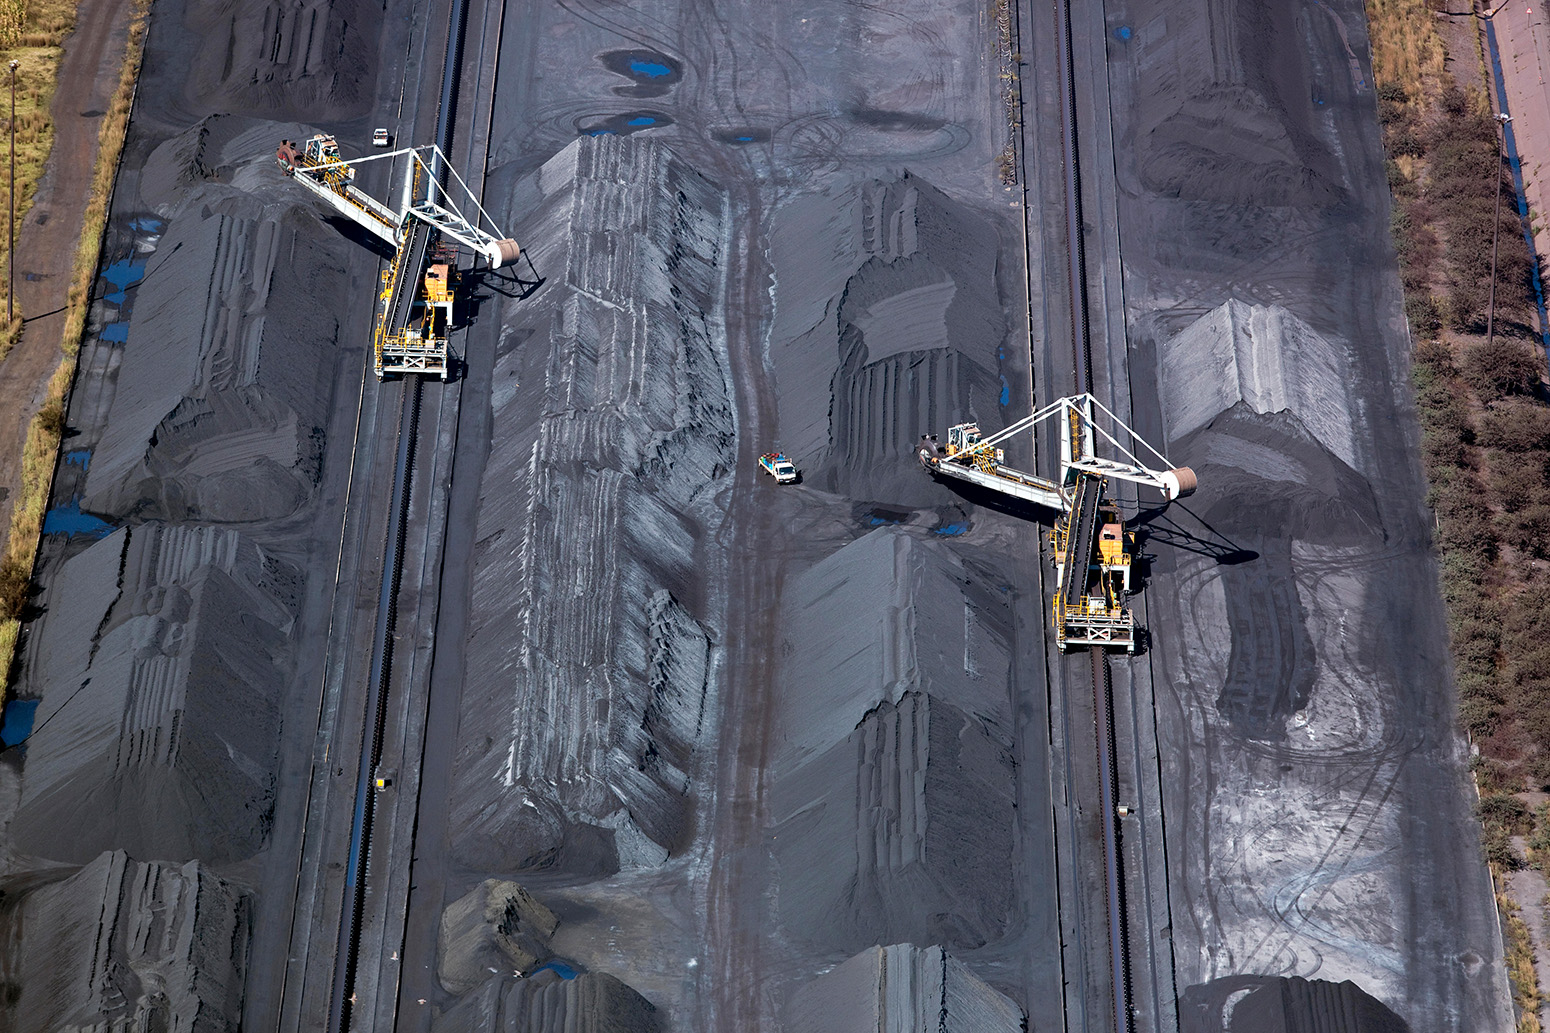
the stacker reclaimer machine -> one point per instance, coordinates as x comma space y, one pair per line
1092, 550
416, 296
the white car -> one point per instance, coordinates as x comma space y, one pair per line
379, 138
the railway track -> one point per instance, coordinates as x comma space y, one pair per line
1102, 685
343, 995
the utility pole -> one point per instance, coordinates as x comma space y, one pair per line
10, 238
1496, 231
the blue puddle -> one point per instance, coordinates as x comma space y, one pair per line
123, 274
651, 72
649, 69
116, 332
740, 135
951, 530
1122, 33
146, 224
622, 124
558, 967
16, 724
80, 457
1006, 392
69, 520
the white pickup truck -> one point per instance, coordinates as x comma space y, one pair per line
779, 467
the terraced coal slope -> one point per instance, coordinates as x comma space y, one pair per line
186, 562
1318, 810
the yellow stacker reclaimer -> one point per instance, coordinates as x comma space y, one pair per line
415, 301
1091, 549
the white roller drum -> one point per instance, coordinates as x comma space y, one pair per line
1178, 482
503, 252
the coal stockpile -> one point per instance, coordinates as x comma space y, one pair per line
612, 428
1322, 824
176, 556
160, 740
1238, 1004
893, 791
899, 989
125, 944
887, 316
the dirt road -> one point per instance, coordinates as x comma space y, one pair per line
48, 236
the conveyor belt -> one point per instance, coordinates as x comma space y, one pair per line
1082, 537
410, 268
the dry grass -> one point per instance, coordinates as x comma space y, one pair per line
42, 447
1406, 49
1520, 965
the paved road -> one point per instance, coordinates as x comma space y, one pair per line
1523, 37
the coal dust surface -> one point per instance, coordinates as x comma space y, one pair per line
1319, 824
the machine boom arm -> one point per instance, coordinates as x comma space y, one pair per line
319, 168
979, 460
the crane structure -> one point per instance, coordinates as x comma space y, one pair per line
416, 298
1092, 550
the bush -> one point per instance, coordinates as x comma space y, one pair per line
1421, 307
1516, 425
51, 418
15, 587
1529, 530
1506, 812
1503, 366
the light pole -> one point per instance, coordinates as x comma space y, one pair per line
1496, 230
10, 234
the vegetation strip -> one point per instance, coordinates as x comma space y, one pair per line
39, 453
1485, 429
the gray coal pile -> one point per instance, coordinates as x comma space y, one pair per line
893, 790
546, 1002
495, 926
1272, 1004
902, 989
128, 945
886, 312
286, 61
588, 661
219, 417
159, 736
1267, 359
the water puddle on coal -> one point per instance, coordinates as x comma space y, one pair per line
16, 721
651, 73
622, 124
556, 966
123, 274
739, 136
69, 520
